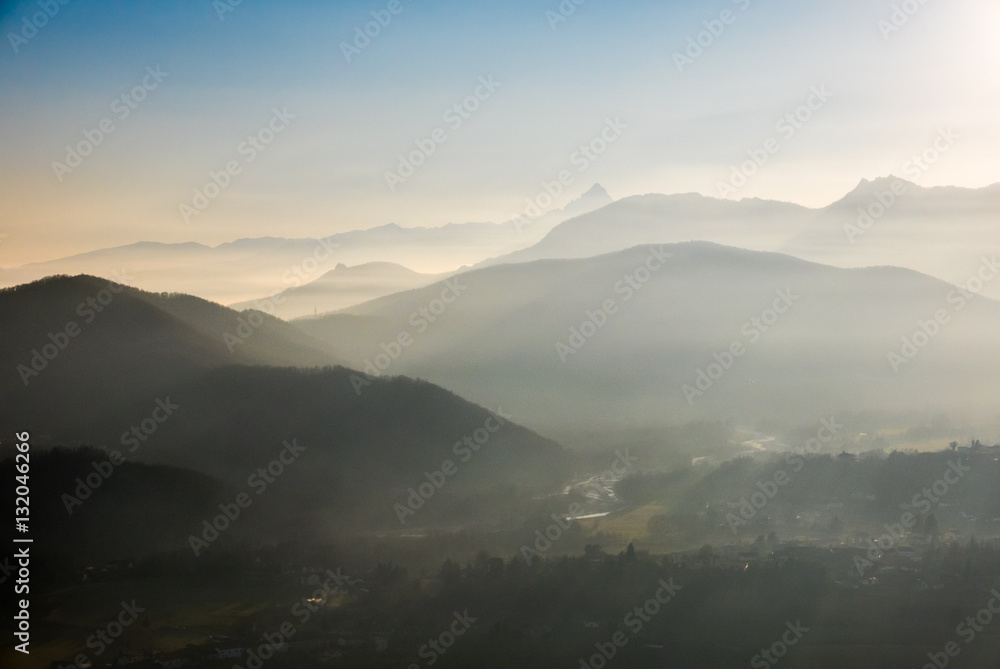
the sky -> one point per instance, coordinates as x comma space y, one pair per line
300, 116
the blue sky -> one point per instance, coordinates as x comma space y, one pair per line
325, 171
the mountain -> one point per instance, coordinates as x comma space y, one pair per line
540, 339
593, 199
245, 269
646, 219
957, 222
74, 346
893, 221
152, 377
341, 287
365, 443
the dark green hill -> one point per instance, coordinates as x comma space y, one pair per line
75, 346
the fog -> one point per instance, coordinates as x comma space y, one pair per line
578, 334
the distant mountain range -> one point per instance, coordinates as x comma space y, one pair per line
941, 231
248, 269
755, 224
888, 221
540, 337
339, 288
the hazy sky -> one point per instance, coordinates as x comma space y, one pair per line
324, 170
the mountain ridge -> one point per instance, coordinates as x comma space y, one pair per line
499, 341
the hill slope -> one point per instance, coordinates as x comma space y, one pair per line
74, 346
362, 451
152, 376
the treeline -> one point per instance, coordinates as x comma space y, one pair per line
834, 497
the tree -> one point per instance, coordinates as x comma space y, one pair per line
931, 525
